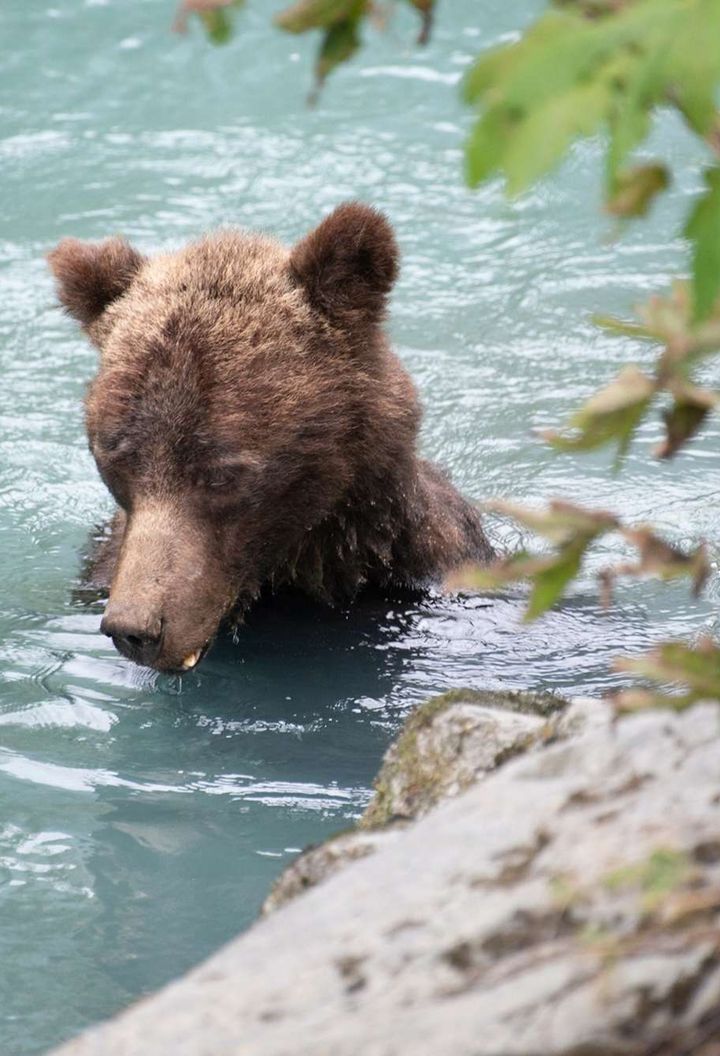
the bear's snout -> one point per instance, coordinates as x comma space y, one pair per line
169, 592
136, 636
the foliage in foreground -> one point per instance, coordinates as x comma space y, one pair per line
572, 530
603, 65
339, 23
587, 67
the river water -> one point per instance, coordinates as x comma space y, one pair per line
143, 818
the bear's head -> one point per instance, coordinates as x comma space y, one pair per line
243, 392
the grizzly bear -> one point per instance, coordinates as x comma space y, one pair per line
255, 429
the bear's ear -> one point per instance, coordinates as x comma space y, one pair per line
348, 264
90, 275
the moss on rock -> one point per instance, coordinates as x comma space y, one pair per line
448, 742
445, 745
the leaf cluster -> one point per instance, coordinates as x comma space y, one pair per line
215, 15
697, 669
613, 414
604, 66
571, 530
339, 23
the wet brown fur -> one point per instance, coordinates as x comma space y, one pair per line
255, 428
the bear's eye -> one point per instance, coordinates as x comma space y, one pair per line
111, 445
232, 472
221, 479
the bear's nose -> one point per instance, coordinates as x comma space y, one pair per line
138, 640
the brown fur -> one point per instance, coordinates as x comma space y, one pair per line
255, 429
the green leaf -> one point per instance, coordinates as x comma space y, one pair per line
589, 64
218, 25
636, 188
694, 64
486, 146
559, 51
697, 669
685, 417
610, 416
339, 44
492, 72
640, 77
488, 71
540, 140
623, 327
214, 14
313, 14
703, 230
550, 583
571, 528
561, 523
656, 557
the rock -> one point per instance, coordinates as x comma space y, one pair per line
450, 741
583, 715
568, 903
318, 863
444, 746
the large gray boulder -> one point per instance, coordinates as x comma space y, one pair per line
567, 904
447, 744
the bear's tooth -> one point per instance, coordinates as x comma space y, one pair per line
191, 660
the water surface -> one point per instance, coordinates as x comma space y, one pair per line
142, 819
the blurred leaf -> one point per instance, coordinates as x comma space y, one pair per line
610, 415
518, 566
665, 561
540, 140
682, 422
667, 320
629, 700
685, 417
670, 320
426, 8
486, 146
703, 230
585, 65
571, 528
636, 188
562, 522
630, 114
339, 43
217, 26
549, 575
623, 327
490, 69
550, 582
340, 22
214, 15
314, 14
697, 669
694, 64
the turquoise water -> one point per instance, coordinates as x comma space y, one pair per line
142, 818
